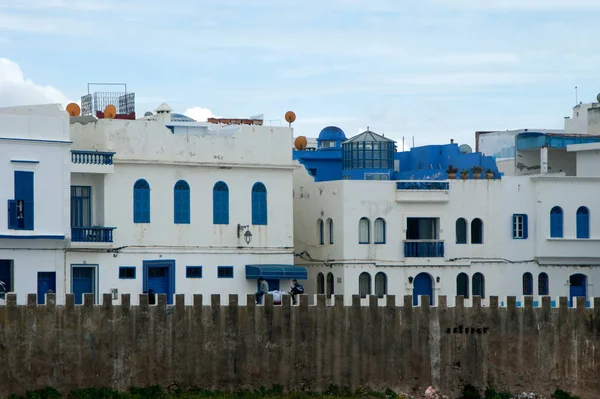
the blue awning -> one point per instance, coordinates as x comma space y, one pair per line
276, 272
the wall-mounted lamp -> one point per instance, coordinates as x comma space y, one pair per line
410, 280
437, 279
247, 234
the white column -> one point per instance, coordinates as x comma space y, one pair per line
544, 160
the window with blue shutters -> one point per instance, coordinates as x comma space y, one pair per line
556, 222
583, 222
220, 203
141, 202
543, 284
20, 209
520, 227
527, 284
193, 272
182, 202
259, 204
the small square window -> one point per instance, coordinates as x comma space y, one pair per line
225, 272
193, 272
127, 272
520, 227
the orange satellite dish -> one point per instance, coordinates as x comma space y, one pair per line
73, 109
110, 111
290, 117
300, 143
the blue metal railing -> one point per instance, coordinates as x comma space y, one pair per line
92, 157
422, 185
423, 249
92, 234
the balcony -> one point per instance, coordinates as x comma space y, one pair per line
423, 248
92, 234
92, 161
422, 191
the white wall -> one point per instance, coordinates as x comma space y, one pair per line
587, 159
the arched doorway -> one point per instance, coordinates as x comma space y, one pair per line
577, 288
422, 285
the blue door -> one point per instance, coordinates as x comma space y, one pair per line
422, 285
46, 283
159, 276
83, 281
578, 287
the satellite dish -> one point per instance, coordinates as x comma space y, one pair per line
110, 111
300, 143
290, 117
598, 97
465, 149
73, 109
148, 113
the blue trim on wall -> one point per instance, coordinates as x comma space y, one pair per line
276, 272
23, 161
225, 268
32, 237
189, 271
124, 268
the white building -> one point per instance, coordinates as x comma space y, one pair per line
35, 184
518, 235
173, 206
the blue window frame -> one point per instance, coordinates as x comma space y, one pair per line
543, 284
181, 201
527, 284
81, 206
193, 272
259, 204
141, 202
225, 272
127, 272
330, 227
556, 222
520, 227
321, 227
476, 231
159, 276
220, 203
364, 231
20, 209
583, 222
379, 231
461, 232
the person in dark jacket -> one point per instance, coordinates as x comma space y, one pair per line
295, 289
262, 291
151, 297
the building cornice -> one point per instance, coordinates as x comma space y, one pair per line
220, 165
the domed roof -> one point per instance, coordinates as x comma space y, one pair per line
332, 133
164, 107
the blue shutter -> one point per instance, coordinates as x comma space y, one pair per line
263, 208
146, 205
556, 222
583, 223
216, 207
525, 228
185, 204
178, 206
24, 192
137, 206
12, 214
255, 207
225, 200
220, 203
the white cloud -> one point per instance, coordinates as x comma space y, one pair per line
200, 114
15, 89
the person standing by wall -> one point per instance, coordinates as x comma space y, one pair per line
296, 289
262, 291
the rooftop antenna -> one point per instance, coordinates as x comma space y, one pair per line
413, 141
576, 96
402, 143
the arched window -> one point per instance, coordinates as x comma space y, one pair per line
583, 222
364, 284
380, 284
461, 231
320, 283
462, 285
321, 231
220, 203
478, 285
379, 231
259, 204
527, 284
141, 202
364, 233
543, 284
330, 228
181, 194
476, 231
556, 222
330, 290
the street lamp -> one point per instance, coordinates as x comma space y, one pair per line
248, 236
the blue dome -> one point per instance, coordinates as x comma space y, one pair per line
332, 133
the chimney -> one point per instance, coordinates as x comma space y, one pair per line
451, 141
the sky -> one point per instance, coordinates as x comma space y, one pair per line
434, 70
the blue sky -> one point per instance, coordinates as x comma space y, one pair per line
431, 69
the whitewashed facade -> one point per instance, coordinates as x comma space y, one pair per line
336, 260
130, 205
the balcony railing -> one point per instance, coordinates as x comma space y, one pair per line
423, 249
92, 234
422, 185
92, 157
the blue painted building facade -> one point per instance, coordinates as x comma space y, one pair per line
370, 156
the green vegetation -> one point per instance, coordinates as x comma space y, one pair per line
559, 394
157, 393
